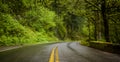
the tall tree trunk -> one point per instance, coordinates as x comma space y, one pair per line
89, 31
98, 24
105, 21
95, 30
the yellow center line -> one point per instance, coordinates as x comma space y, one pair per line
51, 59
57, 56
54, 55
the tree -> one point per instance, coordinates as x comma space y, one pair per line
105, 21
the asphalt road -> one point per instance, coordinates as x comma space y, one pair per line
66, 52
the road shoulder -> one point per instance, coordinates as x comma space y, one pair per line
5, 48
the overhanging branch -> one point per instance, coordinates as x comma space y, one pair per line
92, 4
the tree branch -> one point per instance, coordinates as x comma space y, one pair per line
92, 4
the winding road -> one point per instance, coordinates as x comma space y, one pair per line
57, 52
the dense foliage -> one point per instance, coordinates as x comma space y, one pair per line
24, 21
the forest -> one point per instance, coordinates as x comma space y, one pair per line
41, 21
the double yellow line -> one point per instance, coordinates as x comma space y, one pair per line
54, 57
